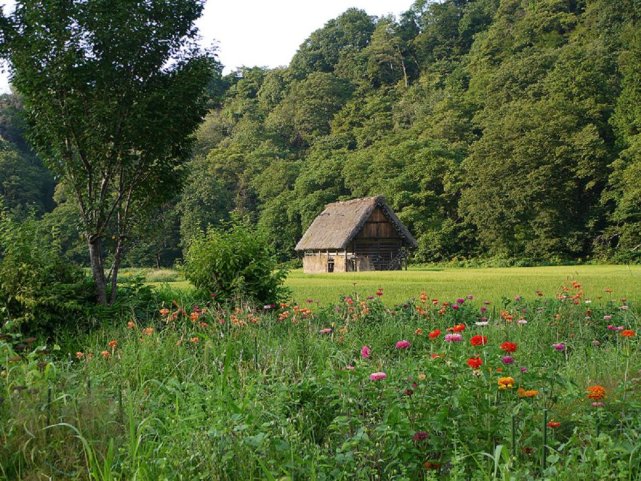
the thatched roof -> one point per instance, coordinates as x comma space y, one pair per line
340, 222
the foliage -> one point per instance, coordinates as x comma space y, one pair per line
40, 290
234, 263
112, 92
545, 388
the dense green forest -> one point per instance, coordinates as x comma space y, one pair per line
507, 130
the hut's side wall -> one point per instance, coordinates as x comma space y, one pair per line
315, 263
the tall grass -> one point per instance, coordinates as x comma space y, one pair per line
203, 393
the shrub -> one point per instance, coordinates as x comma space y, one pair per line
235, 264
40, 290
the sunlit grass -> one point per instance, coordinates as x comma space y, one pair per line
491, 284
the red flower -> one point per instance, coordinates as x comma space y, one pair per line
628, 333
553, 424
458, 328
434, 334
478, 340
475, 362
508, 346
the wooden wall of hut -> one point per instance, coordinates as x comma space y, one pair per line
380, 242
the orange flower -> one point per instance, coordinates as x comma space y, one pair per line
506, 382
194, 316
419, 332
164, 311
148, 331
628, 333
112, 344
527, 392
458, 328
596, 392
553, 424
131, 325
80, 355
194, 340
105, 354
423, 297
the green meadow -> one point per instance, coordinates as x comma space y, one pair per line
493, 284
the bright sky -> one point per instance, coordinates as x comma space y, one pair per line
266, 33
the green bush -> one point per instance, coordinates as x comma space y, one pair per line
40, 290
235, 264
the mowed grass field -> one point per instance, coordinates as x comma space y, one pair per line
492, 284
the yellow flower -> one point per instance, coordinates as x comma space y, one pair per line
506, 382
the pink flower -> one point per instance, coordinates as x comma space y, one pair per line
365, 352
455, 307
377, 376
403, 344
507, 359
615, 328
559, 346
327, 330
453, 337
460, 300
607, 317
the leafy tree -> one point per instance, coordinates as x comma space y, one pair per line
112, 90
321, 52
624, 191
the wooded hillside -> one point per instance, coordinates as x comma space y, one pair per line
508, 129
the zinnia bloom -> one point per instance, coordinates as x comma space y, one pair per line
508, 346
131, 325
559, 346
418, 332
365, 352
164, 311
453, 338
105, 354
506, 382
377, 376
458, 328
478, 340
628, 333
419, 436
553, 424
596, 392
475, 362
403, 344
434, 334
327, 330
507, 359
112, 344
80, 355
527, 392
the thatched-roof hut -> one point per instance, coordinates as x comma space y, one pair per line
356, 235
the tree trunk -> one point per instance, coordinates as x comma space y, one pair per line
97, 270
115, 269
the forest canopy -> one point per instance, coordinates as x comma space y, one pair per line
501, 129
